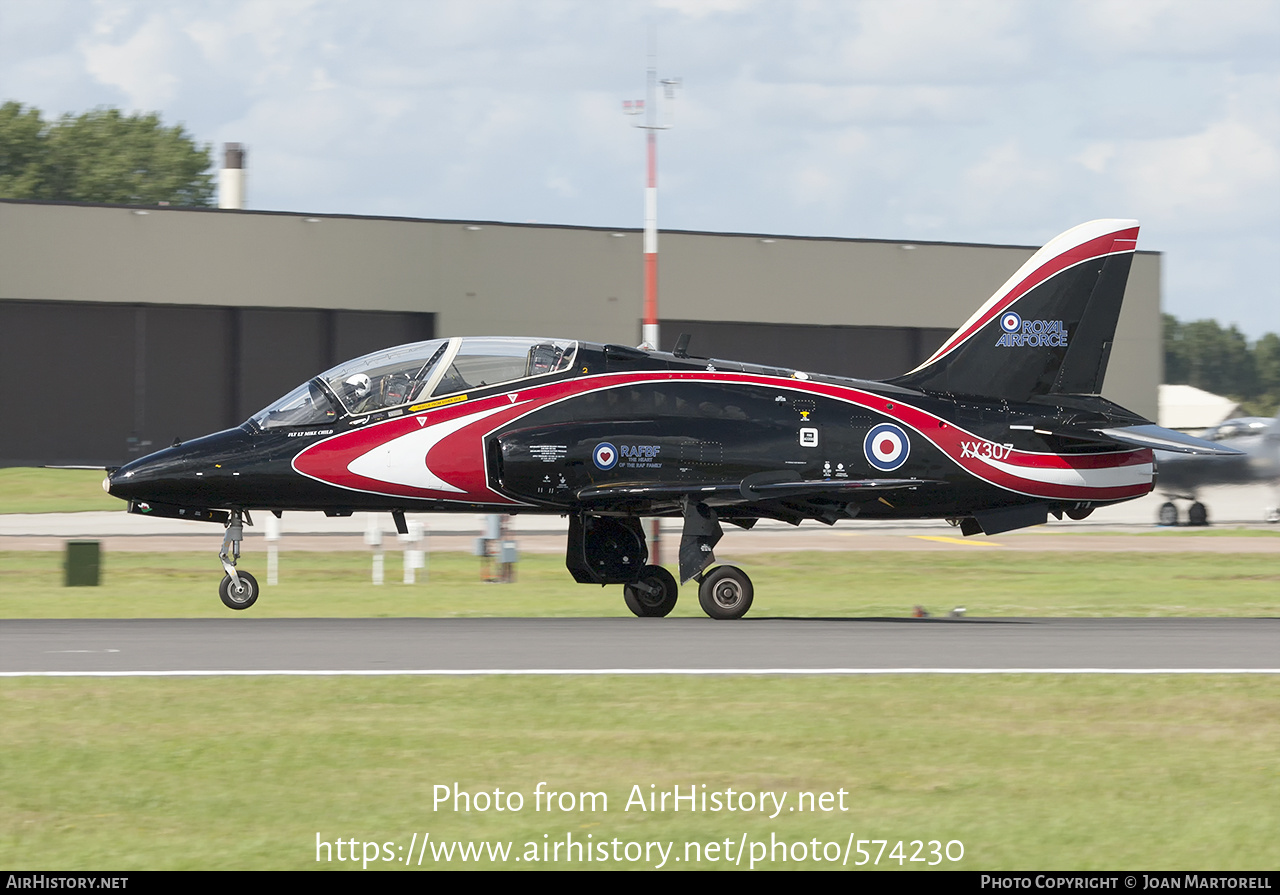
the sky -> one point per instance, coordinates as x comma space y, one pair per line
991, 121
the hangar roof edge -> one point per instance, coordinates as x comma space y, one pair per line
525, 225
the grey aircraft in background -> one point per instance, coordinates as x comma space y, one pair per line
1180, 476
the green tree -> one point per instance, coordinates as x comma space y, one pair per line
1217, 360
1266, 358
1175, 355
22, 151
1220, 360
101, 156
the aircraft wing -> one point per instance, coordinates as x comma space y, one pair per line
778, 495
750, 489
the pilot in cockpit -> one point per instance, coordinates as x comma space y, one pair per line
356, 392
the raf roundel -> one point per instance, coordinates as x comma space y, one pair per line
1010, 321
886, 447
605, 455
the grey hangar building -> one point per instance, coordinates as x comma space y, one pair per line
125, 327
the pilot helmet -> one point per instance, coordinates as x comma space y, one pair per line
359, 383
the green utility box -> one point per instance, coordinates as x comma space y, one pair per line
83, 563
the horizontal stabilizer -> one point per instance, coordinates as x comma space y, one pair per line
1162, 439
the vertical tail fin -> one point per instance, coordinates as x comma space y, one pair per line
1048, 329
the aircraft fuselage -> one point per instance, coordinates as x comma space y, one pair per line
1001, 426
560, 446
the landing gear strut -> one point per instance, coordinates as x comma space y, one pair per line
238, 590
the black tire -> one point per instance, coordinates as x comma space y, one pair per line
726, 593
1078, 514
239, 598
1168, 514
646, 603
1198, 514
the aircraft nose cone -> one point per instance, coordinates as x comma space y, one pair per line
125, 481
194, 473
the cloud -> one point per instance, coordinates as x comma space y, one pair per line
1171, 28
700, 9
144, 66
1228, 175
972, 120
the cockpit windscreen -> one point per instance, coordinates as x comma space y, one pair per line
412, 373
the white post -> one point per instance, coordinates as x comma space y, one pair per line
373, 537
273, 549
413, 558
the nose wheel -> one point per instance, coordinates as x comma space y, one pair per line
725, 592
239, 595
238, 590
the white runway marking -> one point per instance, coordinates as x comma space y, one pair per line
52, 651
489, 672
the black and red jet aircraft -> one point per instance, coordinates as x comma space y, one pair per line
1002, 426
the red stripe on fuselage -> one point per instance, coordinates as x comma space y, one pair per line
458, 458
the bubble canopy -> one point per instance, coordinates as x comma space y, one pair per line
417, 372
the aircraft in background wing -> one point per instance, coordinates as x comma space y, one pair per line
1001, 427
1256, 441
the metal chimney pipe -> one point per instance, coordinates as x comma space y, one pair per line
231, 177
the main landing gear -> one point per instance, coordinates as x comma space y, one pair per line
238, 590
610, 550
1197, 514
654, 595
725, 592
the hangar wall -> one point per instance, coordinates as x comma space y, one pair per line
868, 308
100, 383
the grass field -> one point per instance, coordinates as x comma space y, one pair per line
1027, 772
151, 585
25, 490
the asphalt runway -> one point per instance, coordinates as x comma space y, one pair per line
753, 645
246, 645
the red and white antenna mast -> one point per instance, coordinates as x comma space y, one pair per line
648, 107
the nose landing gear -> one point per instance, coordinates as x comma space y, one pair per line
239, 595
238, 590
